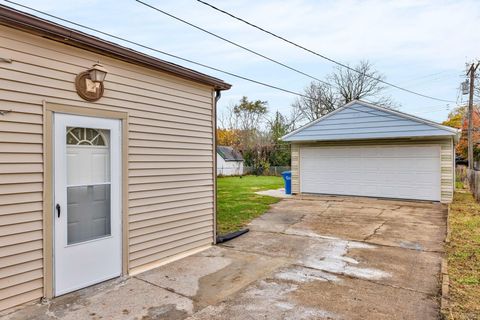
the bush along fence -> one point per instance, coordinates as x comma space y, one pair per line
262, 171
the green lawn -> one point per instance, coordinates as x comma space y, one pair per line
463, 254
237, 203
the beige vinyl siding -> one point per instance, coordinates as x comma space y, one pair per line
170, 162
447, 154
295, 168
21, 176
447, 157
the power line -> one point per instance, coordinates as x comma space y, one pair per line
232, 42
433, 111
320, 55
159, 51
423, 80
435, 74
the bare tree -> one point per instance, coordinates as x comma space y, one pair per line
294, 118
347, 85
360, 83
319, 99
227, 119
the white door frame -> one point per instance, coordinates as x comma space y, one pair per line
63, 281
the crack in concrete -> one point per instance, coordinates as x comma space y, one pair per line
311, 268
381, 212
375, 231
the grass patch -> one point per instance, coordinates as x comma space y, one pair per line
459, 185
463, 254
237, 203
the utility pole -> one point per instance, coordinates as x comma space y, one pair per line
471, 72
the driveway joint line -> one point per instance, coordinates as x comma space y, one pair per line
395, 286
167, 289
255, 253
296, 264
342, 274
332, 238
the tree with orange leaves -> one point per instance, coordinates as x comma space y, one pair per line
458, 118
228, 137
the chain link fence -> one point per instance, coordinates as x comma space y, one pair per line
230, 171
270, 171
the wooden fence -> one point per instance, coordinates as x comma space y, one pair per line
461, 173
473, 178
470, 178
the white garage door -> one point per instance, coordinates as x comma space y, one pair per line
407, 172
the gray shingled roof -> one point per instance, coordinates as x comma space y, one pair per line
363, 120
228, 154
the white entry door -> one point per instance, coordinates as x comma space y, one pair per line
389, 171
87, 201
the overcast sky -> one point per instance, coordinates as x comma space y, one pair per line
421, 45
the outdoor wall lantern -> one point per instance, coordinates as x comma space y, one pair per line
89, 84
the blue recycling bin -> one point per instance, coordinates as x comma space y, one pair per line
287, 178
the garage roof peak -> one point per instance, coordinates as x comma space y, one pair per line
358, 120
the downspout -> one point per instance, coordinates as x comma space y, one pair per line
232, 235
218, 95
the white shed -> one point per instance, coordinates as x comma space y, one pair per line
362, 149
229, 162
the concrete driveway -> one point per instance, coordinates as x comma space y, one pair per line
307, 258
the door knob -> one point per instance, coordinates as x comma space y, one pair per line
58, 210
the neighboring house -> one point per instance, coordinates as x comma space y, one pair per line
99, 176
229, 162
362, 149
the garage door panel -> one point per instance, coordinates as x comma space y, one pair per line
411, 172
422, 164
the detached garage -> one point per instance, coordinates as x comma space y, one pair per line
362, 149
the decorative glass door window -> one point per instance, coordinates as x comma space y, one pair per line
86, 137
88, 184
